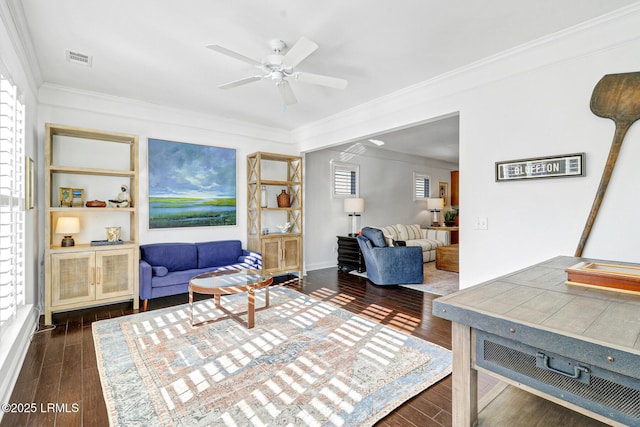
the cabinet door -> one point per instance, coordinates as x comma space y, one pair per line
114, 273
454, 188
271, 255
291, 253
72, 278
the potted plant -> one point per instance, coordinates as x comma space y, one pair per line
450, 218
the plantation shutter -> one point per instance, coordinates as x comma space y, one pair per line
345, 180
422, 186
12, 193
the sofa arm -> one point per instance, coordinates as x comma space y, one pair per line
145, 280
253, 259
441, 235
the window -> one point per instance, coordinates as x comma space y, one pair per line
346, 180
12, 214
421, 186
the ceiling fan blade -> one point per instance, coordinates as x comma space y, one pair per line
286, 93
299, 51
318, 79
233, 54
240, 82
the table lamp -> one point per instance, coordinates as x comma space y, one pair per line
67, 225
355, 206
435, 205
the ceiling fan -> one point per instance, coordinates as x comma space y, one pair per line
279, 68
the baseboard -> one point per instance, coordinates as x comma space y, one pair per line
13, 349
320, 265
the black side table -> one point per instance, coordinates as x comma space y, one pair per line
349, 255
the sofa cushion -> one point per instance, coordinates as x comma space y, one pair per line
376, 236
174, 256
159, 270
426, 245
391, 231
215, 254
178, 277
409, 232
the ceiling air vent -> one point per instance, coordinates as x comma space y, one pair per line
78, 58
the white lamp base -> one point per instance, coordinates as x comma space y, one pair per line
355, 224
435, 222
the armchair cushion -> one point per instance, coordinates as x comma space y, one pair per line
376, 236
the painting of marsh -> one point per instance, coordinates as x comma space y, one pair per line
191, 185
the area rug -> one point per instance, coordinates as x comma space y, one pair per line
439, 282
305, 363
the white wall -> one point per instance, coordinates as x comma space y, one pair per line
531, 101
386, 184
70, 107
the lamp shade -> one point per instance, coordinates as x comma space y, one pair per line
354, 205
435, 204
68, 225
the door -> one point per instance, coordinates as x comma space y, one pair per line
114, 273
271, 255
291, 253
72, 278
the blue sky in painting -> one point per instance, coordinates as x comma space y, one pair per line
189, 170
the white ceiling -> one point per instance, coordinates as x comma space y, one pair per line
154, 50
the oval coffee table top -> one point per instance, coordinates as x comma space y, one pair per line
229, 281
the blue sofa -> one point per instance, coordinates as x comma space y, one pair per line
166, 268
390, 265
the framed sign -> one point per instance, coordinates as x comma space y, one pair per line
565, 165
29, 188
443, 192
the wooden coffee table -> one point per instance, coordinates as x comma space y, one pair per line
228, 282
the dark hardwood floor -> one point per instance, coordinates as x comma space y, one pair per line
60, 366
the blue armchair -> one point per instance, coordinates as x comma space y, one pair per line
389, 265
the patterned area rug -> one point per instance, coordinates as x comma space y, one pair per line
305, 363
439, 282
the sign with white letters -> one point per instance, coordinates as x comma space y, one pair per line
566, 165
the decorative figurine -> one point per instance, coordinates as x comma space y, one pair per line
284, 228
123, 200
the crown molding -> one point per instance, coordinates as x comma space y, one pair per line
12, 15
399, 108
72, 98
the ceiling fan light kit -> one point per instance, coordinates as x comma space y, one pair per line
278, 68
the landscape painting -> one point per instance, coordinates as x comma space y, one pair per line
191, 185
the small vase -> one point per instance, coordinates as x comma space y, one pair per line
284, 201
113, 234
263, 196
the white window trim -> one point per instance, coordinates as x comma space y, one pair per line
351, 167
12, 203
420, 176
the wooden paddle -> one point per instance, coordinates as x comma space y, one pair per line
615, 97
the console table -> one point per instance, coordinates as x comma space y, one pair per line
349, 254
575, 346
